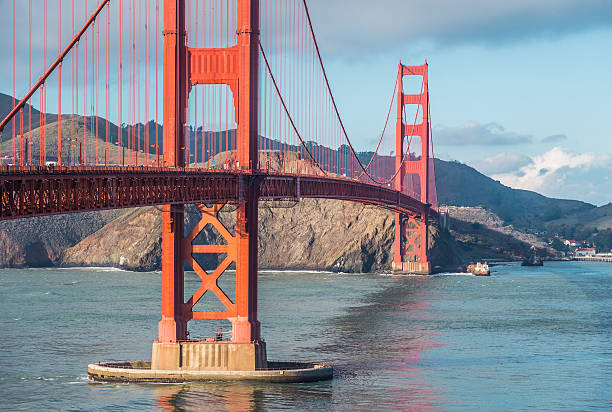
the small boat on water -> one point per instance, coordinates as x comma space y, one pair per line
479, 269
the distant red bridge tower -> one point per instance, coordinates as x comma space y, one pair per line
411, 231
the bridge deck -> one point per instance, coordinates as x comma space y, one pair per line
37, 191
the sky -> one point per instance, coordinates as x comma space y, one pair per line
521, 90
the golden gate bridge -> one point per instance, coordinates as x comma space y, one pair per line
206, 102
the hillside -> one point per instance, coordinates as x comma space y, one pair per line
6, 105
41, 241
461, 185
84, 128
600, 218
482, 235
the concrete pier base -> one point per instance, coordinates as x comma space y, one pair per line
208, 361
418, 268
141, 372
213, 356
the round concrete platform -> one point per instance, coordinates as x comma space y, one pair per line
140, 371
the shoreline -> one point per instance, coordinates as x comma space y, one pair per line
435, 270
607, 259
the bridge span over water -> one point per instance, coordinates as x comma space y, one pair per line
206, 102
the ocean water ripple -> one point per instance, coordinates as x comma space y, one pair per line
524, 338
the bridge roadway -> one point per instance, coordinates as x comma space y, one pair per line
27, 191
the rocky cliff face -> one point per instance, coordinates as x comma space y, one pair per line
326, 234
317, 234
132, 241
41, 241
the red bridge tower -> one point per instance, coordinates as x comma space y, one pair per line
411, 243
236, 67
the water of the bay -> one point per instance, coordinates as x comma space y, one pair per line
524, 338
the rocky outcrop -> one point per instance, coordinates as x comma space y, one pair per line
316, 234
132, 241
11, 254
41, 241
326, 234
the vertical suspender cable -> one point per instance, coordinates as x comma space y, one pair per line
219, 110
145, 146
227, 30
264, 96
43, 105
70, 154
129, 85
284, 79
145, 119
130, 102
92, 98
59, 84
120, 150
129, 82
157, 82
133, 147
27, 143
133, 81
107, 89
78, 144
95, 74
14, 91
195, 95
85, 143
209, 43
204, 92
188, 122
138, 69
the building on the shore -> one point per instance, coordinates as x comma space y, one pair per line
585, 251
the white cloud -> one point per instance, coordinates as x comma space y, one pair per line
477, 134
562, 173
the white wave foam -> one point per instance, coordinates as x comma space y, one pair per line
454, 274
97, 268
399, 275
312, 272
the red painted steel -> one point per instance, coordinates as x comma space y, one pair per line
209, 280
238, 67
326, 167
27, 191
173, 325
245, 326
411, 235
